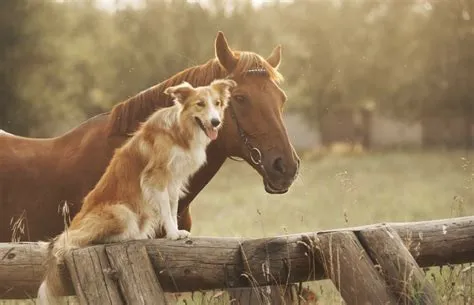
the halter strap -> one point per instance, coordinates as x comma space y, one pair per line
255, 154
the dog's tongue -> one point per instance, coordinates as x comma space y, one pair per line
211, 133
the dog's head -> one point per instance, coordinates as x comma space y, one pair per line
204, 105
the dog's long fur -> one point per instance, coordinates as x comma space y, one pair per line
4, 133
137, 197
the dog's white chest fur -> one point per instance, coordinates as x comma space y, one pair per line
184, 162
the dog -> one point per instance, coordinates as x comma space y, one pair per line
137, 196
4, 133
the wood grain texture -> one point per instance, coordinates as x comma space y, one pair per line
351, 270
216, 263
135, 274
398, 267
276, 269
93, 278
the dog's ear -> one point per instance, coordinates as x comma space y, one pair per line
181, 92
223, 86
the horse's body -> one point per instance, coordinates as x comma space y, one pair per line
38, 175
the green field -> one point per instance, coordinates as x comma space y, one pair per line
346, 190
337, 191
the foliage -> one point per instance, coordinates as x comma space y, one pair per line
64, 61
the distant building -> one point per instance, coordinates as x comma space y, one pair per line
377, 131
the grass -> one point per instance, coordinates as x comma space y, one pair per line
339, 191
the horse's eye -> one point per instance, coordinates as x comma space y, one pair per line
201, 104
239, 98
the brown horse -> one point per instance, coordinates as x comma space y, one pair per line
37, 176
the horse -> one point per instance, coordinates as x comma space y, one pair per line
43, 181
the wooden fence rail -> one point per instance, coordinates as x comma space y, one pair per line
217, 263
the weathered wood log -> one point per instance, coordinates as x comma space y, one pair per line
216, 263
398, 267
351, 270
92, 276
135, 275
260, 250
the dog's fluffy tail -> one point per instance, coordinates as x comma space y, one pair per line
55, 283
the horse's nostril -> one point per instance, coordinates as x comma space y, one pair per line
215, 122
279, 165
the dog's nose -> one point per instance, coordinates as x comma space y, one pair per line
215, 122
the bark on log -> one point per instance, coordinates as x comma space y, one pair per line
351, 270
135, 275
398, 267
216, 263
92, 277
256, 251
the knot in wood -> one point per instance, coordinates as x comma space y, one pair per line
11, 255
111, 273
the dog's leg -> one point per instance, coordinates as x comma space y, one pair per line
163, 200
174, 198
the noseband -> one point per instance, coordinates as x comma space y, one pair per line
255, 154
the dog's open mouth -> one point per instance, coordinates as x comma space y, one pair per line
271, 189
211, 132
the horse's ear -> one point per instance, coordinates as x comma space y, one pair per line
181, 92
275, 57
223, 86
224, 54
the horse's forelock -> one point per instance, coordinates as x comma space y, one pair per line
250, 61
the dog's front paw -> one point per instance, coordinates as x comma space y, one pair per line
183, 234
177, 234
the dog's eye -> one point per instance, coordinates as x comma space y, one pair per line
201, 104
218, 103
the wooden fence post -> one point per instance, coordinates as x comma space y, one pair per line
268, 260
114, 274
398, 266
349, 267
92, 277
136, 276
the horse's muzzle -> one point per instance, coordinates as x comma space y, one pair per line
279, 179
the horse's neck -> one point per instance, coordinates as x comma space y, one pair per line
126, 116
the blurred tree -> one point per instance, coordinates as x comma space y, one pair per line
15, 54
450, 64
64, 61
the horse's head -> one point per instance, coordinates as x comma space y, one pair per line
253, 127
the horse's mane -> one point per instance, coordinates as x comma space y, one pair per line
126, 116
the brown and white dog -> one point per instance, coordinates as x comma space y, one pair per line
137, 197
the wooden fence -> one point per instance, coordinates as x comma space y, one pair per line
377, 264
